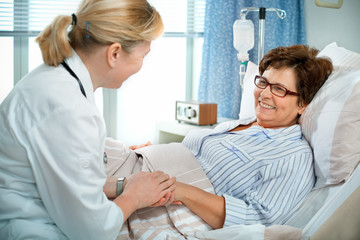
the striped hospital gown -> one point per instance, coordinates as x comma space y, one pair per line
263, 174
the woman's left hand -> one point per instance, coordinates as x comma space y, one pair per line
134, 147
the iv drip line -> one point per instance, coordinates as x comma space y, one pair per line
246, 26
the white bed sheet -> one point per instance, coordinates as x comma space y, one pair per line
312, 204
335, 199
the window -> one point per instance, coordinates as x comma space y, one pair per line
170, 72
20, 22
6, 69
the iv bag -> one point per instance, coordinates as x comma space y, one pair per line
243, 38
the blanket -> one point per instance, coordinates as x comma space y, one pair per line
171, 222
176, 221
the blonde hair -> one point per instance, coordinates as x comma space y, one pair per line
103, 22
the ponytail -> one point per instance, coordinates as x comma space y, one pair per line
53, 41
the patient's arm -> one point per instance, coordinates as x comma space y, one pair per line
208, 206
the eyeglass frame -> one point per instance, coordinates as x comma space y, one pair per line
288, 92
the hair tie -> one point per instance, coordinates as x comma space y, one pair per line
74, 19
87, 29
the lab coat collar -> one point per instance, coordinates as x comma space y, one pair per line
79, 68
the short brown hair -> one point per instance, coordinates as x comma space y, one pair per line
311, 71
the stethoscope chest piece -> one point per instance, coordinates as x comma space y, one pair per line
105, 158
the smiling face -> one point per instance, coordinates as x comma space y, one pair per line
273, 111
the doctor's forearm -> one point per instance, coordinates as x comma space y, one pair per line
125, 201
109, 187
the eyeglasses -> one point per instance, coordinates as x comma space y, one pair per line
275, 89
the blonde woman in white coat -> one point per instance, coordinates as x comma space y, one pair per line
52, 136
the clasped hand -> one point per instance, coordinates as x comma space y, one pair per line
150, 189
167, 184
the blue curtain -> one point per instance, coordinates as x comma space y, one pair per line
219, 78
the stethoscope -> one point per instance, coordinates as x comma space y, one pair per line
74, 75
105, 159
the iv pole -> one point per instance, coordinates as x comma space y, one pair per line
262, 12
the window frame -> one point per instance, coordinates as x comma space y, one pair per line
21, 36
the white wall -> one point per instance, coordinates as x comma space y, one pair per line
326, 25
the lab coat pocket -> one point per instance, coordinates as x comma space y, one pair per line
238, 151
26, 229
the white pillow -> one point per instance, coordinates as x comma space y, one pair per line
341, 57
331, 122
247, 107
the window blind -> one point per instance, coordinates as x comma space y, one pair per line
196, 16
29, 17
181, 17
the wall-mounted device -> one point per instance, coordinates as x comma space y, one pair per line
199, 113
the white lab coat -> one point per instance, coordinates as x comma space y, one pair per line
51, 159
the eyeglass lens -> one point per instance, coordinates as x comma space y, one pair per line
276, 89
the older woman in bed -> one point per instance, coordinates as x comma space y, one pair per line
261, 168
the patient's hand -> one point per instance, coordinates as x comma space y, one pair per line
165, 201
133, 147
168, 199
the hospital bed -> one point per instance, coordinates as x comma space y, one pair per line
331, 124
